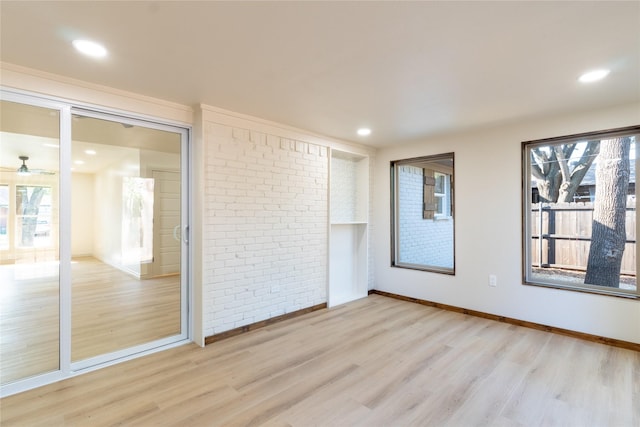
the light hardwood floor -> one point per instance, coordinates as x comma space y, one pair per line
111, 310
373, 362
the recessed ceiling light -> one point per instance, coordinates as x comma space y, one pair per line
90, 48
79, 162
364, 131
593, 76
90, 152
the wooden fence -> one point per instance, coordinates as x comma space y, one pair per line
561, 235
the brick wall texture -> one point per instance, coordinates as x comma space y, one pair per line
265, 231
348, 204
425, 242
351, 184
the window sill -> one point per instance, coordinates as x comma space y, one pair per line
597, 291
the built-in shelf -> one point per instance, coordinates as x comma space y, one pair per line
348, 267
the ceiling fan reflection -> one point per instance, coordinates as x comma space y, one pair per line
24, 170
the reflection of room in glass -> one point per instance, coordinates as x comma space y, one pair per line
33, 216
137, 219
4, 216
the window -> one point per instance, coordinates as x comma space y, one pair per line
33, 216
442, 193
579, 212
422, 213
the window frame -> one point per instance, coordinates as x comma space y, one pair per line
445, 196
526, 202
449, 200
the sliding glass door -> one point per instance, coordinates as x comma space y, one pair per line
29, 236
93, 238
127, 236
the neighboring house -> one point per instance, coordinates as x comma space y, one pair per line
587, 190
427, 241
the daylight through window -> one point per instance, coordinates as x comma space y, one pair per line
33, 216
580, 212
422, 213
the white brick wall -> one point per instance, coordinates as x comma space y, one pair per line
350, 197
265, 230
343, 190
348, 203
426, 242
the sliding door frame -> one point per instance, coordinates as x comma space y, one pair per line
184, 240
64, 272
67, 109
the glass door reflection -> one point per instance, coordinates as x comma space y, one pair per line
126, 259
29, 235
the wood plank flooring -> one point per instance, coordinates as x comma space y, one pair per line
111, 310
374, 362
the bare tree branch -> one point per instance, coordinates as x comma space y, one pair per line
562, 162
586, 160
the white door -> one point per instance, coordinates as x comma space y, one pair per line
167, 230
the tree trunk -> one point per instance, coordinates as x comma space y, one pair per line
30, 208
608, 233
544, 166
549, 189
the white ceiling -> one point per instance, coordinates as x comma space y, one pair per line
408, 70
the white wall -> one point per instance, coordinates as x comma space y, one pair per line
82, 214
156, 160
488, 230
47, 84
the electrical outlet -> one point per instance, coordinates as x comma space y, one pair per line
493, 280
